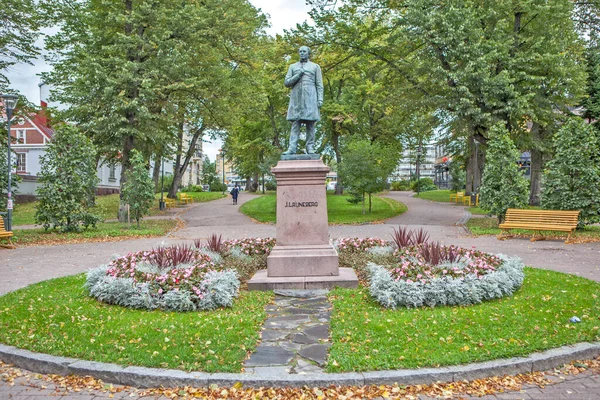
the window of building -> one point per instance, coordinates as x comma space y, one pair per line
21, 136
21, 162
112, 172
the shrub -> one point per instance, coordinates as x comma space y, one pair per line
168, 182
572, 177
218, 187
458, 176
355, 197
138, 190
503, 186
424, 185
67, 182
401, 185
271, 185
192, 188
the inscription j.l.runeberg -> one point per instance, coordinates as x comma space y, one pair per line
301, 203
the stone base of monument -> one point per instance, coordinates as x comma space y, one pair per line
346, 278
303, 258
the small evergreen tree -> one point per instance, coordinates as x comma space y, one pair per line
67, 182
503, 185
571, 179
138, 190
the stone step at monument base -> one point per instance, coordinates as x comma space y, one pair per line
303, 260
260, 281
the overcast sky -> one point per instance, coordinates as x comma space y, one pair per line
283, 14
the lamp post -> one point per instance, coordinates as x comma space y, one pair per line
162, 204
10, 102
223, 157
476, 174
418, 169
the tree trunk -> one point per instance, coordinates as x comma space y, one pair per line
128, 146
475, 163
370, 203
177, 172
156, 173
363, 203
536, 165
535, 190
335, 142
181, 166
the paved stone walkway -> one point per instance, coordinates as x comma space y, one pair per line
295, 335
294, 321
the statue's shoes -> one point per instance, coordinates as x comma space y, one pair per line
310, 151
288, 152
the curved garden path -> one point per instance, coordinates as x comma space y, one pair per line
28, 265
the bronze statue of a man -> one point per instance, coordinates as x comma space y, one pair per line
306, 81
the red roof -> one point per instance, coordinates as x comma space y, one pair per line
40, 121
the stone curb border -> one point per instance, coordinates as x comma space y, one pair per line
143, 377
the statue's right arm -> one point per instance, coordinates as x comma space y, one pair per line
290, 78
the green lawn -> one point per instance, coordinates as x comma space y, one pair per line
57, 317
339, 211
435, 195
444, 197
367, 337
106, 231
106, 206
489, 226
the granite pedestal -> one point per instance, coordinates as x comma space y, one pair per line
304, 256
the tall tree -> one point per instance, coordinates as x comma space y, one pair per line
132, 73
19, 29
480, 62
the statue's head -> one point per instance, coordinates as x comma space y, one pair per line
304, 53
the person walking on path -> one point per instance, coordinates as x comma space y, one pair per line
234, 193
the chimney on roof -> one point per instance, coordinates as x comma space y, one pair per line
44, 114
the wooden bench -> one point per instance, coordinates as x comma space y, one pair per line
185, 198
4, 234
539, 220
456, 197
169, 202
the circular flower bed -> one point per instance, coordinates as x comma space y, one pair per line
177, 278
419, 263
430, 274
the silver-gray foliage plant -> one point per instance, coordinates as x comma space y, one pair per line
446, 290
381, 250
219, 288
215, 257
237, 253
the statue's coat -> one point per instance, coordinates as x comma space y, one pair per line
307, 92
